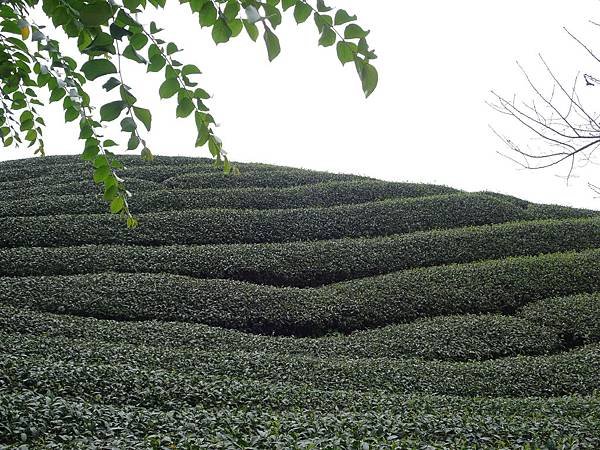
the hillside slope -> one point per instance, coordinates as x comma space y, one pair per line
287, 308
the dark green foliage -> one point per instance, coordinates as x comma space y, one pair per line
156, 199
44, 192
149, 376
253, 226
383, 423
493, 286
311, 263
344, 313
458, 338
274, 178
576, 318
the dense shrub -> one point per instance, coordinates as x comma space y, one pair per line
438, 422
492, 286
44, 191
577, 318
247, 226
469, 355
311, 263
316, 195
255, 178
469, 337
154, 376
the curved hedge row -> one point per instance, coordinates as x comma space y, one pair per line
491, 286
253, 226
81, 171
457, 338
41, 190
256, 178
576, 318
305, 264
437, 422
316, 195
154, 376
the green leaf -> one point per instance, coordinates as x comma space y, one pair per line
321, 6
369, 77
111, 84
56, 95
127, 96
171, 48
90, 153
354, 31
342, 17
109, 143
287, 4
190, 69
71, 114
128, 125
345, 51
138, 41
251, 29
207, 15
100, 173
302, 12
117, 205
232, 9
196, 5
272, 42
236, 26
157, 62
168, 88
95, 14
144, 116
221, 32
328, 37
96, 68
118, 32
130, 53
147, 154
110, 111
272, 14
133, 142
185, 107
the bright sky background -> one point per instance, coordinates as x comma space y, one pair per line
427, 121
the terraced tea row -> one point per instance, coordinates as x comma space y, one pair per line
315, 263
252, 226
459, 338
403, 422
492, 286
285, 308
158, 199
156, 377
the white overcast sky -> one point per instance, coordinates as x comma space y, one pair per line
427, 121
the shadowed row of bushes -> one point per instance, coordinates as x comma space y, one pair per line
46, 191
486, 287
315, 263
576, 318
255, 178
458, 338
81, 171
156, 376
213, 226
317, 195
400, 422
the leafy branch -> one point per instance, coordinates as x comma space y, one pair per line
106, 31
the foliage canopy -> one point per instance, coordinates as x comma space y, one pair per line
108, 34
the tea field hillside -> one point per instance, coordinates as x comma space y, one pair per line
291, 309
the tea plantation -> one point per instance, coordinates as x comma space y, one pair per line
291, 309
